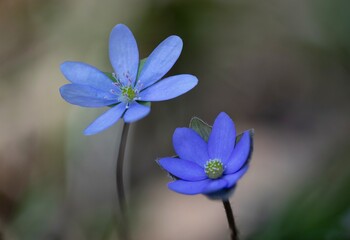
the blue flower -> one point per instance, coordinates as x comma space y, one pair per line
133, 86
213, 167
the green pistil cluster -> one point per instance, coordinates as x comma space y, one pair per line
128, 93
214, 168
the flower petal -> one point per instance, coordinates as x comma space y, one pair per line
215, 185
124, 54
106, 120
190, 146
183, 169
86, 96
85, 74
169, 88
135, 112
187, 187
160, 61
240, 154
233, 178
222, 138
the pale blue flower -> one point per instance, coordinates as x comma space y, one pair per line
131, 88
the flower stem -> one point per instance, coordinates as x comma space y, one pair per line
230, 219
124, 227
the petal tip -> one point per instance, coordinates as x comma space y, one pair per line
225, 118
86, 133
120, 28
176, 39
64, 66
61, 90
223, 115
121, 25
179, 131
89, 132
194, 80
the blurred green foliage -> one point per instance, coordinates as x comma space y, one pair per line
321, 210
35, 213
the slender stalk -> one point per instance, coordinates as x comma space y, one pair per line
230, 220
124, 226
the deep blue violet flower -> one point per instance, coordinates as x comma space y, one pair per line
210, 167
131, 86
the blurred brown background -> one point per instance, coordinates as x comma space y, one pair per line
280, 67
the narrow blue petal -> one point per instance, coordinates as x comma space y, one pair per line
190, 146
169, 88
183, 169
187, 187
124, 54
214, 186
222, 138
240, 154
135, 112
85, 74
86, 96
233, 178
106, 120
160, 61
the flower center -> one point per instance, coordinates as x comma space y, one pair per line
214, 168
128, 94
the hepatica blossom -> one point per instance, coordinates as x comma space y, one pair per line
132, 85
209, 166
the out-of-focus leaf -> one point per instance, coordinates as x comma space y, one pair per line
148, 104
201, 127
141, 64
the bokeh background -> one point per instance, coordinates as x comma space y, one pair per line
280, 67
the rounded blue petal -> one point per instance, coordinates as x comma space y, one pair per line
124, 54
86, 96
183, 169
187, 187
232, 179
214, 186
240, 154
160, 61
135, 112
169, 88
106, 120
190, 146
222, 138
85, 74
